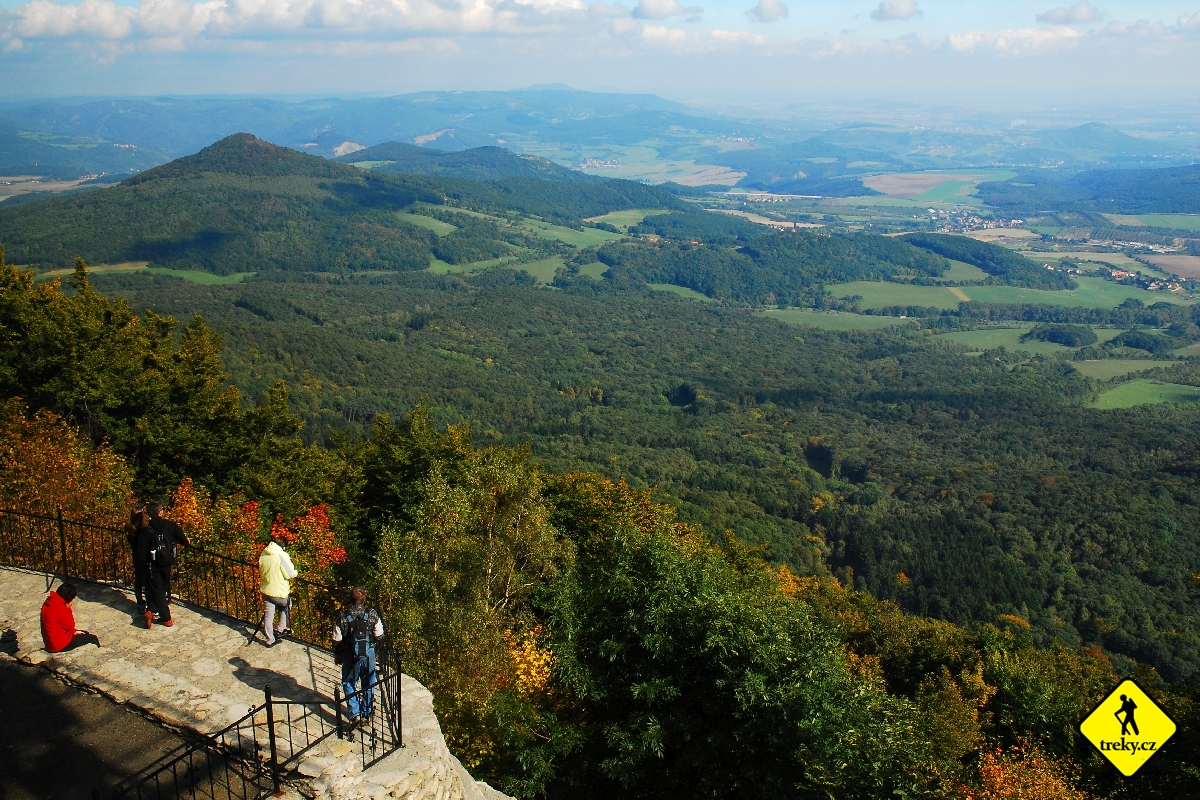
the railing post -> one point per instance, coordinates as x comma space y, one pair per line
337, 703
271, 739
62, 542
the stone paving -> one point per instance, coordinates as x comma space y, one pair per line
208, 671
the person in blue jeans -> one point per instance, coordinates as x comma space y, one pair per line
357, 632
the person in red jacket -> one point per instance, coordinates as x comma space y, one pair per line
58, 622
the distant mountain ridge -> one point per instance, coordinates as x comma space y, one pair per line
477, 164
1168, 190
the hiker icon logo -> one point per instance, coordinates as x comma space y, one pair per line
1128, 728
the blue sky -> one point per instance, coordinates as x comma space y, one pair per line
1007, 52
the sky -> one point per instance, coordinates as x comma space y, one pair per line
980, 52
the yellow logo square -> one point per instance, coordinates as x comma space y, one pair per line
1128, 728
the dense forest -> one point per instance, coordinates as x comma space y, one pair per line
476, 164
647, 654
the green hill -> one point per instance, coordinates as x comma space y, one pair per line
1171, 190
245, 205
476, 164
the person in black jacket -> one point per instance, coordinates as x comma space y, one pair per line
138, 519
156, 544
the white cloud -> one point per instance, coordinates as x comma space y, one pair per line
896, 10
661, 9
1078, 14
1190, 22
1015, 42
768, 10
170, 19
700, 41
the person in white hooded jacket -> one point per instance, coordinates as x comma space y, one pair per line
275, 572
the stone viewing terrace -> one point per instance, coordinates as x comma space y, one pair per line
210, 670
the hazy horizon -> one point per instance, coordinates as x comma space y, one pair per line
769, 54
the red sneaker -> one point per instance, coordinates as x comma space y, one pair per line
169, 623
149, 619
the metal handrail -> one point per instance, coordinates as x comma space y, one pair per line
214, 757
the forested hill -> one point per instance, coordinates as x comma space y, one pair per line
245, 205
476, 164
1172, 190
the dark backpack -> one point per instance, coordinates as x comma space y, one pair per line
162, 548
358, 635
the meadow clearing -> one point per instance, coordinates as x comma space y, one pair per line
544, 270
596, 270
144, 268
439, 267
429, 223
957, 186
836, 321
1146, 392
1180, 222
1109, 368
682, 291
1009, 337
588, 237
1092, 293
628, 218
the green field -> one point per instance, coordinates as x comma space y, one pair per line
435, 225
596, 270
588, 237
628, 218
951, 192
1008, 338
141, 268
1180, 222
878, 294
1146, 392
438, 267
1092, 293
1107, 369
543, 270
836, 321
960, 271
681, 291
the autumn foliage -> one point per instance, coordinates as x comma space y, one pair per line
47, 466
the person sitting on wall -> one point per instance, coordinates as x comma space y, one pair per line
58, 622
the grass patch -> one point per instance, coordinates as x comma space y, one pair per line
960, 271
1180, 222
429, 223
1146, 392
1008, 338
588, 237
950, 192
878, 294
1107, 369
543, 270
596, 270
143, 268
628, 218
1092, 293
836, 321
438, 267
681, 291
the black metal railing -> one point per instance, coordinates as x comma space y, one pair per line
232, 764
200, 577
248, 759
